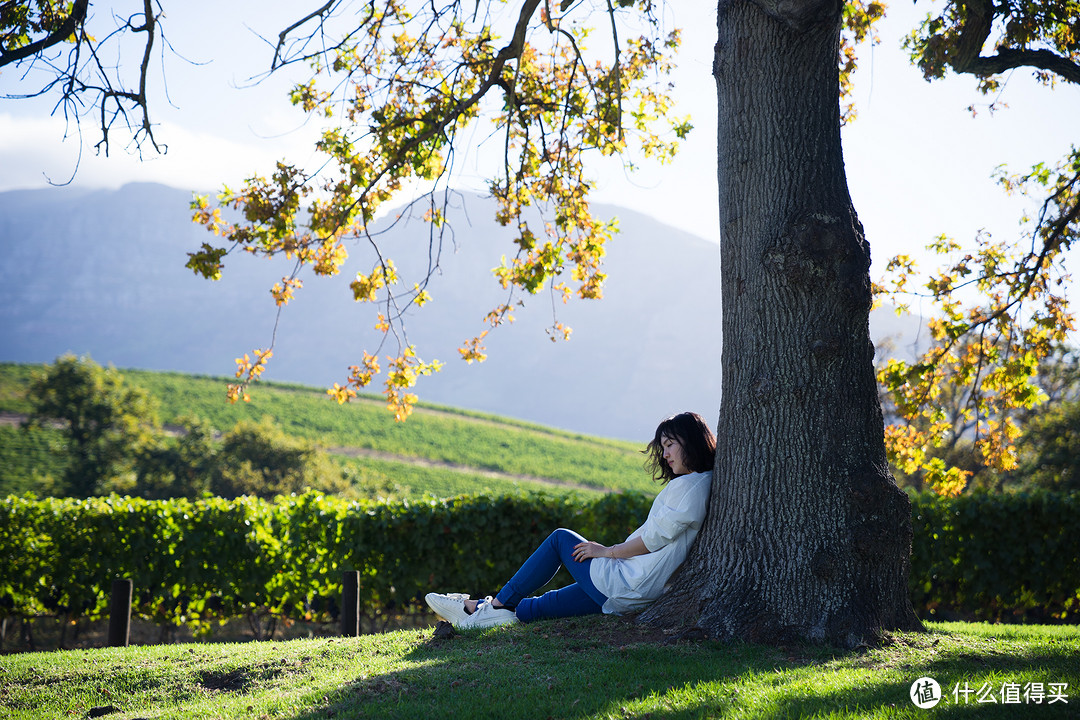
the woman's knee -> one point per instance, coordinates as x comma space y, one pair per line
566, 535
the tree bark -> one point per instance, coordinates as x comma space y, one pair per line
807, 536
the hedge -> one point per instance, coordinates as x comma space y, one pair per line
992, 557
997, 557
196, 561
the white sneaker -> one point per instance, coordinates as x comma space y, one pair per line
450, 606
487, 615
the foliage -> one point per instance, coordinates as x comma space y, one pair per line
31, 460
1037, 35
105, 422
110, 441
1058, 380
402, 82
181, 467
859, 27
256, 459
1000, 305
261, 460
405, 82
989, 351
195, 562
393, 85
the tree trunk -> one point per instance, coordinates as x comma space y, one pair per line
807, 535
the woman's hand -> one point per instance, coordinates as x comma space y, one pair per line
588, 549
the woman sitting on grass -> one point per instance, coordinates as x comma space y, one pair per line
622, 578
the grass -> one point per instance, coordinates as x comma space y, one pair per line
593, 667
457, 451
393, 480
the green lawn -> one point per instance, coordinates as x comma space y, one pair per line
594, 667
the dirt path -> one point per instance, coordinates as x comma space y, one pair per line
10, 419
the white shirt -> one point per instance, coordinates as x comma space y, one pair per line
673, 523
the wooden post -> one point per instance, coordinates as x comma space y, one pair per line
350, 604
120, 613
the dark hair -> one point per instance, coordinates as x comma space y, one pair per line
692, 433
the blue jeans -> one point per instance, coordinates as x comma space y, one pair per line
581, 598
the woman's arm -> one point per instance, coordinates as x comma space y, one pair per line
630, 548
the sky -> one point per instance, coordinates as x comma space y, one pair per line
918, 163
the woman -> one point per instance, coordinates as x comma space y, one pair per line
624, 577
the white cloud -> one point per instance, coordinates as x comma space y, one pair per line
34, 153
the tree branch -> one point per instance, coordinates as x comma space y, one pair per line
62, 33
1010, 59
978, 22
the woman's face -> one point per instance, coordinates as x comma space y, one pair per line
673, 454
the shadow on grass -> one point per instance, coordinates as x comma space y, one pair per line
612, 668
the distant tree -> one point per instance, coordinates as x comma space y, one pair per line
105, 423
1050, 449
178, 467
251, 459
260, 459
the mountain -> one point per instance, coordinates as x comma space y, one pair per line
102, 273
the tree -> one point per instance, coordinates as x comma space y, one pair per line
256, 459
106, 423
807, 535
259, 459
1050, 449
178, 467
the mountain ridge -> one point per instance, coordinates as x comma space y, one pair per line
101, 272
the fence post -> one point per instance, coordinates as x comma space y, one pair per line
350, 604
120, 613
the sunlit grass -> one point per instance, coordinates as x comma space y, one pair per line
585, 668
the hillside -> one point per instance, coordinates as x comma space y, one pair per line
439, 451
